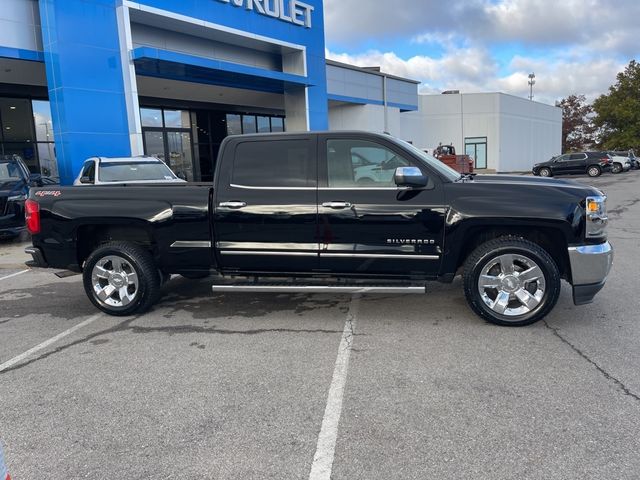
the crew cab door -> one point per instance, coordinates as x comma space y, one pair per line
367, 225
265, 205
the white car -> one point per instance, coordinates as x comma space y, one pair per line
621, 163
113, 171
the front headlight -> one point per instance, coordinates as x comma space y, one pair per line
596, 211
17, 198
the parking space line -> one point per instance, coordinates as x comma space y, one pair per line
10, 363
325, 449
14, 274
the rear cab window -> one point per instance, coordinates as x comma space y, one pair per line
276, 164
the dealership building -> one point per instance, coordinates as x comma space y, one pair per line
81, 78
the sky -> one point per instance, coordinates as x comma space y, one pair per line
572, 46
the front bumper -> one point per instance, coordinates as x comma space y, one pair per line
590, 266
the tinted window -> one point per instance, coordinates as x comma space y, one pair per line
358, 163
563, 158
578, 156
128, 171
282, 163
9, 172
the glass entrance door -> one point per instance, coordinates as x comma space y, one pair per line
476, 148
179, 154
174, 148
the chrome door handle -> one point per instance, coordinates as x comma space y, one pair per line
336, 205
234, 205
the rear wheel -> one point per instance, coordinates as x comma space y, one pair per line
594, 171
510, 281
545, 172
120, 278
617, 168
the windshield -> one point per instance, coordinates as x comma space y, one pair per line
446, 171
9, 171
134, 171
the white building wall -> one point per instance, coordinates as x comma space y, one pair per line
20, 24
519, 132
364, 117
531, 133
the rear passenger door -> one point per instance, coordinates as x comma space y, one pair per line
265, 205
577, 163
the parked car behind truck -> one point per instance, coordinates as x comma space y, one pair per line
591, 163
289, 206
15, 180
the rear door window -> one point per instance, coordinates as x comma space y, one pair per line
274, 164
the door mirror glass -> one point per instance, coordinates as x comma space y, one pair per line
410, 177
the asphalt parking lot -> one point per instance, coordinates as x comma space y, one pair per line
255, 386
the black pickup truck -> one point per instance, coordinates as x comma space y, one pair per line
303, 212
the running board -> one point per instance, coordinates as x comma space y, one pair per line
257, 288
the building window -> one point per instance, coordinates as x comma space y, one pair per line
242, 124
476, 148
26, 130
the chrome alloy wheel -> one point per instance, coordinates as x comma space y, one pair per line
115, 281
511, 285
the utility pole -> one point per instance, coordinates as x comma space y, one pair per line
532, 82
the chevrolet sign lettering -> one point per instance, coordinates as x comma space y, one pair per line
292, 11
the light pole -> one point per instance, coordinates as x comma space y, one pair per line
532, 82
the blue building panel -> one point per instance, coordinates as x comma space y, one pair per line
85, 81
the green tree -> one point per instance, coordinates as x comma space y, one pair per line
577, 123
618, 112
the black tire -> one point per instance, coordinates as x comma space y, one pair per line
483, 256
594, 171
545, 172
141, 262
617, 168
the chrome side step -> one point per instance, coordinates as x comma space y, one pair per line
257, 288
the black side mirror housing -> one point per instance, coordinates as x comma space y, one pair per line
411, 177
86, 180
35, 180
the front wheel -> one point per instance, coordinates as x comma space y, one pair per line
121, 278
594, 171
510, 281
545, 172
617, 168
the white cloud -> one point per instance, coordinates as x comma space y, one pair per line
573, 46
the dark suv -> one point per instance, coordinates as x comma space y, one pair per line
591, 163
15, 180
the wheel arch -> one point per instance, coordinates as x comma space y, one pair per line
551, 239
91, 235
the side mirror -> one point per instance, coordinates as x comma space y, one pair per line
182, 176
35, 180
411, 177
86, 180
